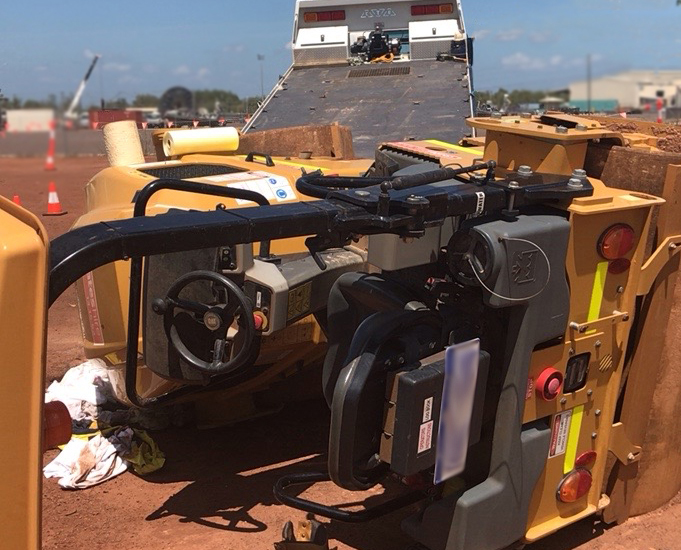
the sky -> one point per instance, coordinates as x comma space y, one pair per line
148, 46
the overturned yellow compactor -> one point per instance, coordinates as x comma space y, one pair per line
485, 318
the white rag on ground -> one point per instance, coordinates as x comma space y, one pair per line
82, 389
85, 463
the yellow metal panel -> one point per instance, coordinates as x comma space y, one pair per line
23, 287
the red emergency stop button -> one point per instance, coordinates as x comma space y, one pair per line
258, 320
549, 384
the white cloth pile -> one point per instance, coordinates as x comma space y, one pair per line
88, 460
83, 389
85, 463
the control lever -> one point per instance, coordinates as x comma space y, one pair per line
319, 243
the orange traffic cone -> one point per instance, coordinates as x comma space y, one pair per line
53, 204
49, 161
16, 200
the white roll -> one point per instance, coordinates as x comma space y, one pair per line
202, 140
122, 143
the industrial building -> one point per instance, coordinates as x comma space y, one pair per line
628, 90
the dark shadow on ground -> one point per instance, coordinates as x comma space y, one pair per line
232, 470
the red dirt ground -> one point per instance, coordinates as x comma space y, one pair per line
215, 489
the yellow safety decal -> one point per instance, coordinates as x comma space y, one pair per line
597, 292
455, 147
573, 439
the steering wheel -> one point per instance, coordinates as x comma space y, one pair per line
218, 319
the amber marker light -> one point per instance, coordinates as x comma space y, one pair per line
574, 485
616, 242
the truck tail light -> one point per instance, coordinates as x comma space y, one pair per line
574, 485
616, 242
586, 459
432, 9
320, 16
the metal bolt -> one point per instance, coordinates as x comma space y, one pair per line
625, 318
590, 393
362, 193
673, 246
513, 185
631, 457
583, 329
496, 114
598, 412
574, 325
414, 199
598, 343
563, 401
561, 130
575, 183
400, 360
526, 115
594, 435
571, 352
620, 290
580, 127
525, 171
579, 173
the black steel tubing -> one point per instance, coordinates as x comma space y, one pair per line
143, 197
416, 180
316, 185
331, 512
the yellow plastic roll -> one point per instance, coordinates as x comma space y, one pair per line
202, 140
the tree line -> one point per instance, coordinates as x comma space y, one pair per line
227, 100
515, 97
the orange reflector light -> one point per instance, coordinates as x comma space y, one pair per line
574, 485
616, 242
432, 9
586, 459
333, 15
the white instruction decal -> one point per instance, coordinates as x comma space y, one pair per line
425, 437
272, 187
559, 434
428, 410
481, 203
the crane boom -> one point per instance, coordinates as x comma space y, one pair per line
81, 88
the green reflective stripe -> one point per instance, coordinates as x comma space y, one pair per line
597, 292
573, 439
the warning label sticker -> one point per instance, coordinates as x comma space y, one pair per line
93, 309
428, 410
299, 301
272, 187
559, 434
425, 437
